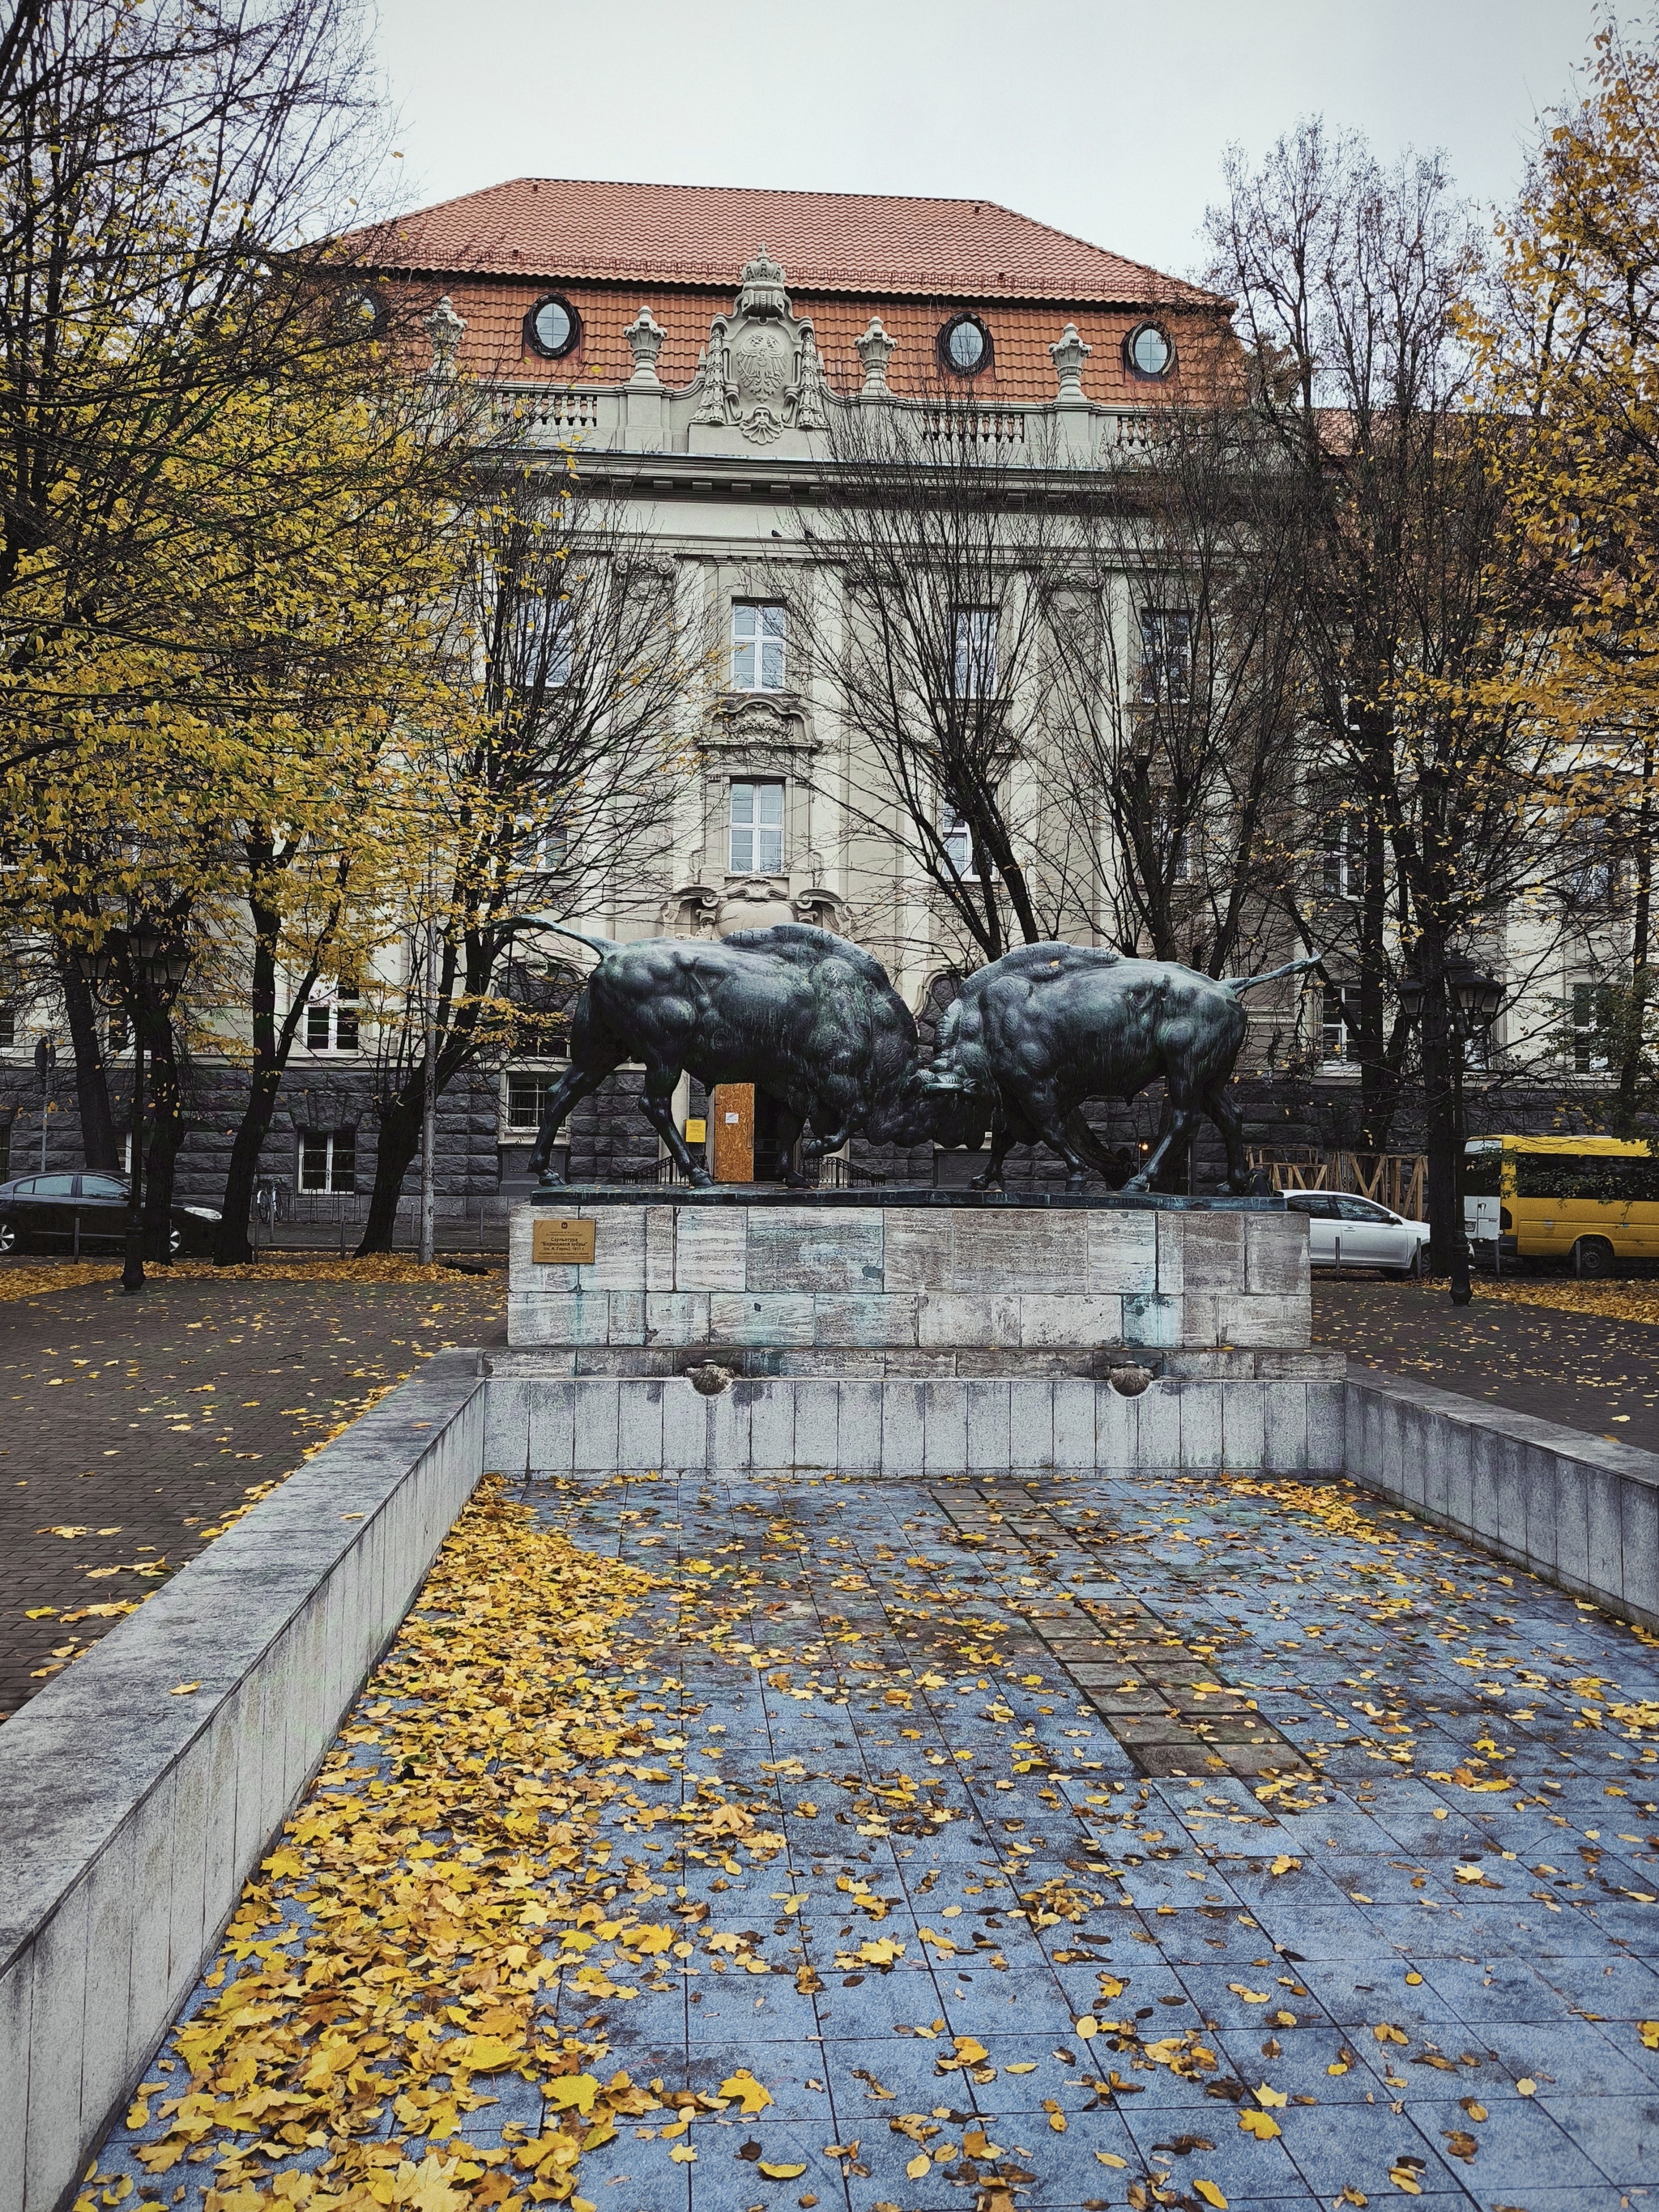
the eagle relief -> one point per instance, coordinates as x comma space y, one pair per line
761, 371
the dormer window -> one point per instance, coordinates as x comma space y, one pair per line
964, 346
1149, 352
552, 328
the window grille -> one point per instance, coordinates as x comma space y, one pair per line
756, 829
526, 1099
328, 1159
758, 659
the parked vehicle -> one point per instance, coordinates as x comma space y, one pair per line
64, 1212
1358, 1232
1591, 1201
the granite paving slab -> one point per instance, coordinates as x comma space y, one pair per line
993, 1962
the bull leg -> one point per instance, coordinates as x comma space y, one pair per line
658, 1104
1182, 1121
1008, 1128
576, 1083
1044, 1108
1220, 1110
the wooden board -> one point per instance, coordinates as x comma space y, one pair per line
561, 1241
733, 1112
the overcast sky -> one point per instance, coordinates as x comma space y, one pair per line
1107, 118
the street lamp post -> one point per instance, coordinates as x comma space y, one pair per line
143, 960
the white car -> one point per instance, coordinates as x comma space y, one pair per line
1358, 1232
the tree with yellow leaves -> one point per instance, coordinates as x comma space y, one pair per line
1567, 347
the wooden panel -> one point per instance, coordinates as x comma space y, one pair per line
560, 1242
733, 1113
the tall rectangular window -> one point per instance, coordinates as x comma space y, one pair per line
333, 1024
328, 1159
345, 1022
1340, 1018
1592, 1020
1344, 862
317, 1025
119, 1038
8, 1029
526, 1097
1166, 654
756, 829
959, 844
758, 659
974, 650
540, 643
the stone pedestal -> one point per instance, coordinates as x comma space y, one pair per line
914, 1283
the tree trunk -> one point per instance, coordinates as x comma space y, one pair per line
1442, 1135
167, 1127
1379, 1082
273, 1042
97, 1148
399, 1141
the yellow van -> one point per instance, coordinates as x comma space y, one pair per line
1588, 1199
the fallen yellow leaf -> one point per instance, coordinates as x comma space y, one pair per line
782, 2172
1211, 2195
1261, 2125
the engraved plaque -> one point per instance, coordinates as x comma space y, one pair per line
561, 1241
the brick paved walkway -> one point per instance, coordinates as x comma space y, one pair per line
1005, 1956
136, 1423
1578, 1369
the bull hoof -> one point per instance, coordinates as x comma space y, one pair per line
1138, 1182
551, 1180
701, 1180
1073, 1185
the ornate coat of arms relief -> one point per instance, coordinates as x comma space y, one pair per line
761, 369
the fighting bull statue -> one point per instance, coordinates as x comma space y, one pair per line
1048, 1026
804, 1015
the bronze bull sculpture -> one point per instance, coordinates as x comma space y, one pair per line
1048, 1026
804, 1015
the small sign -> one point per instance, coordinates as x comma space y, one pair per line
733, 1120
696, 1130
561, 1243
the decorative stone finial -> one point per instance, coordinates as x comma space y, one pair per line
445, 329
875, 348
645, 337
1068, 352
761, 289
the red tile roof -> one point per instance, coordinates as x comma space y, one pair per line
866, 243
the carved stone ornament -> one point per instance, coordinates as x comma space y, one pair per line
1068, 352
875, 350
764, 727
644, 335
760, 371
445, 329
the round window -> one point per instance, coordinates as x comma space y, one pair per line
1150, 352
363, 312
964, 346
553, 328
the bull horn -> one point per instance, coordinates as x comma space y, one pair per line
602, 946
1291, 968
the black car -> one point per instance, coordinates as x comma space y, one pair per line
40, 1213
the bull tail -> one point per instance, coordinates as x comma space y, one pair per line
602, 946
1237, 983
